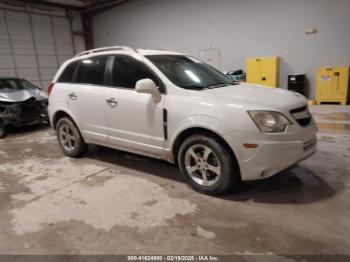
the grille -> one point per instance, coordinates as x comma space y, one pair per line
302, 115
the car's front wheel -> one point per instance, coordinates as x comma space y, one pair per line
69, 138
207, 165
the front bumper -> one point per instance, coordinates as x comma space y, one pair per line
275, 152
23, 113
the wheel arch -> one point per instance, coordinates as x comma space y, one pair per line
58, 115
183, 135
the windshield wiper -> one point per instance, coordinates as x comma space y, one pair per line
217, 86
194, 87
222, 85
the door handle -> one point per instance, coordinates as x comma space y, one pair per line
112, 102
73, 96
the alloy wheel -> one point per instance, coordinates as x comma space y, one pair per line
67, 137
203, 165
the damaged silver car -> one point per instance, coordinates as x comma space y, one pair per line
21, 104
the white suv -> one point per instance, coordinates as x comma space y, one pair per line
175, 107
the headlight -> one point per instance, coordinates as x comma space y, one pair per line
270, 121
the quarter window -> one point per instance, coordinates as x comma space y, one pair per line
68, 72
92, 70
127, 71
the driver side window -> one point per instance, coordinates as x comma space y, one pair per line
127, 71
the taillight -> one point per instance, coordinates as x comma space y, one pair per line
50, 87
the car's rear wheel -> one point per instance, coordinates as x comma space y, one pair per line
69, 138
207, 165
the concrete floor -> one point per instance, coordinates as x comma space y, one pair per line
110, 202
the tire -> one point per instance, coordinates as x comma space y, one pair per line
201, 154
69, 138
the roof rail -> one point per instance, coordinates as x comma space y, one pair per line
104, 49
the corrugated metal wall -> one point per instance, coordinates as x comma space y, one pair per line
33, 45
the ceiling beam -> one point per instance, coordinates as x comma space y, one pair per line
97, 8
47, 3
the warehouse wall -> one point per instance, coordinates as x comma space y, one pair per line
240, 28
36, 39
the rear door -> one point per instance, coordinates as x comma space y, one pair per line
86, 98
135, 120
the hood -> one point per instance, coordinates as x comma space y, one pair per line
22, 95
259, 95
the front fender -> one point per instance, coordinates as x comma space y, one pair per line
197, 121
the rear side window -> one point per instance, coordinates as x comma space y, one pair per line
68, 72
92, 70
127, 71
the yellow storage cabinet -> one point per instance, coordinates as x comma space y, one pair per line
263, 70
332, 84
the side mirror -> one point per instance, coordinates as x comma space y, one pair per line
147, 86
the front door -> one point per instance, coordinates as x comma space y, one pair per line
135, 120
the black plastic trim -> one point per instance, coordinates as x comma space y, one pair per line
299, 109
165, 123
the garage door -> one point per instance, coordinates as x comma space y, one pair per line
33, 45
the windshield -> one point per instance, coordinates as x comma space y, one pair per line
15, 84
188, 72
